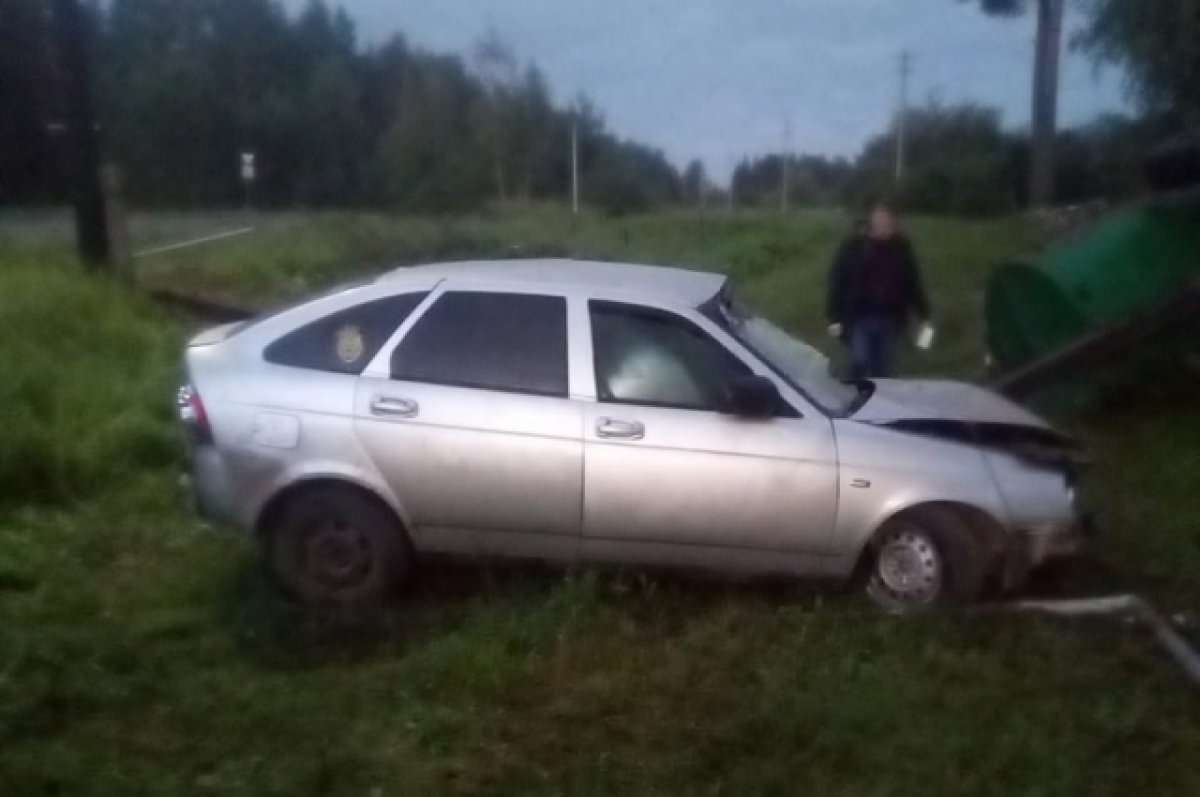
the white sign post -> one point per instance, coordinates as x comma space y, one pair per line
249, 172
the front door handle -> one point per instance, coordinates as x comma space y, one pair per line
624, 430
394, 407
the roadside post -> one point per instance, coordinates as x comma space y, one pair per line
249, 173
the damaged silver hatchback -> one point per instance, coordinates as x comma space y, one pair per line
597, 412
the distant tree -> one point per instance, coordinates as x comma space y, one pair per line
187, 84
1157, 45
960, 161
538, 147
694, 182
625, 177
333, 138
497, 114
1047, 49
431, 156
814, 179
320, 34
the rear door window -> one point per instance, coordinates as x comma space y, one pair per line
513, 342
345, 341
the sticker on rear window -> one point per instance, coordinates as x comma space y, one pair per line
349, 343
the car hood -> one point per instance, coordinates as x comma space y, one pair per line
936, 400
967, 414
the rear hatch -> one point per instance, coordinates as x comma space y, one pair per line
216, 334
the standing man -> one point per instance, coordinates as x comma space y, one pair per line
875, 288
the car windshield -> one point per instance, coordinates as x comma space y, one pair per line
805, 368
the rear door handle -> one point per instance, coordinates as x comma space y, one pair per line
624, 430
394, 407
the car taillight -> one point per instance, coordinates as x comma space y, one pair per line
193, 415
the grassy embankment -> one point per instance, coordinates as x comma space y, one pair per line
140, 653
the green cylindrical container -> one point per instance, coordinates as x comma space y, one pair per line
1126, 264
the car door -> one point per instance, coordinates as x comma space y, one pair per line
472, 427
663, 466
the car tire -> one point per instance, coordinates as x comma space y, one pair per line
336, 546
925, 558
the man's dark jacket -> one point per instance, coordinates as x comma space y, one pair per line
872, 277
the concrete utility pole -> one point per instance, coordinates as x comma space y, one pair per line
91, 227
902, 116
574, 164
785, 166
1045, 102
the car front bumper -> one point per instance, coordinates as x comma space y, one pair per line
1034, 546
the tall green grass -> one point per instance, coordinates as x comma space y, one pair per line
778, 261
86, 379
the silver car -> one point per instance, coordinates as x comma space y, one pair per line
599, 412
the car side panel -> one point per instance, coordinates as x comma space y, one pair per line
478, 460
884, 472
275, 425
702, 478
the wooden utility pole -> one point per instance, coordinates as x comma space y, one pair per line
902, 116
1043, 127
91, 228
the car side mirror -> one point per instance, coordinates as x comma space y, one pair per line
752, 397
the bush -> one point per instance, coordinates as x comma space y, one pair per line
87, 382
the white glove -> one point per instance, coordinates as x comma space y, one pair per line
835, 330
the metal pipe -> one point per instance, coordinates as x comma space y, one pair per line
220, 236
1133, 606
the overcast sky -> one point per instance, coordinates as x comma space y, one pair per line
716, 79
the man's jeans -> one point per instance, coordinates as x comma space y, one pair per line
873, 347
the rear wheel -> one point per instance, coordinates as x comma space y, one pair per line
337, 546
925, 558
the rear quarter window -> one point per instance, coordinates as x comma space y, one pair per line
345, 341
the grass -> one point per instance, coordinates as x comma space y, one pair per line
85, 370
778, 262
140, 652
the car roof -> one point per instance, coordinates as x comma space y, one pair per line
676, 284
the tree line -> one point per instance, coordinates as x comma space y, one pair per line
185, 86
960, 159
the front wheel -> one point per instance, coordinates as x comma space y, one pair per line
925, 558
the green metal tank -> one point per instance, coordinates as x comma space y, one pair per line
1124, 265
